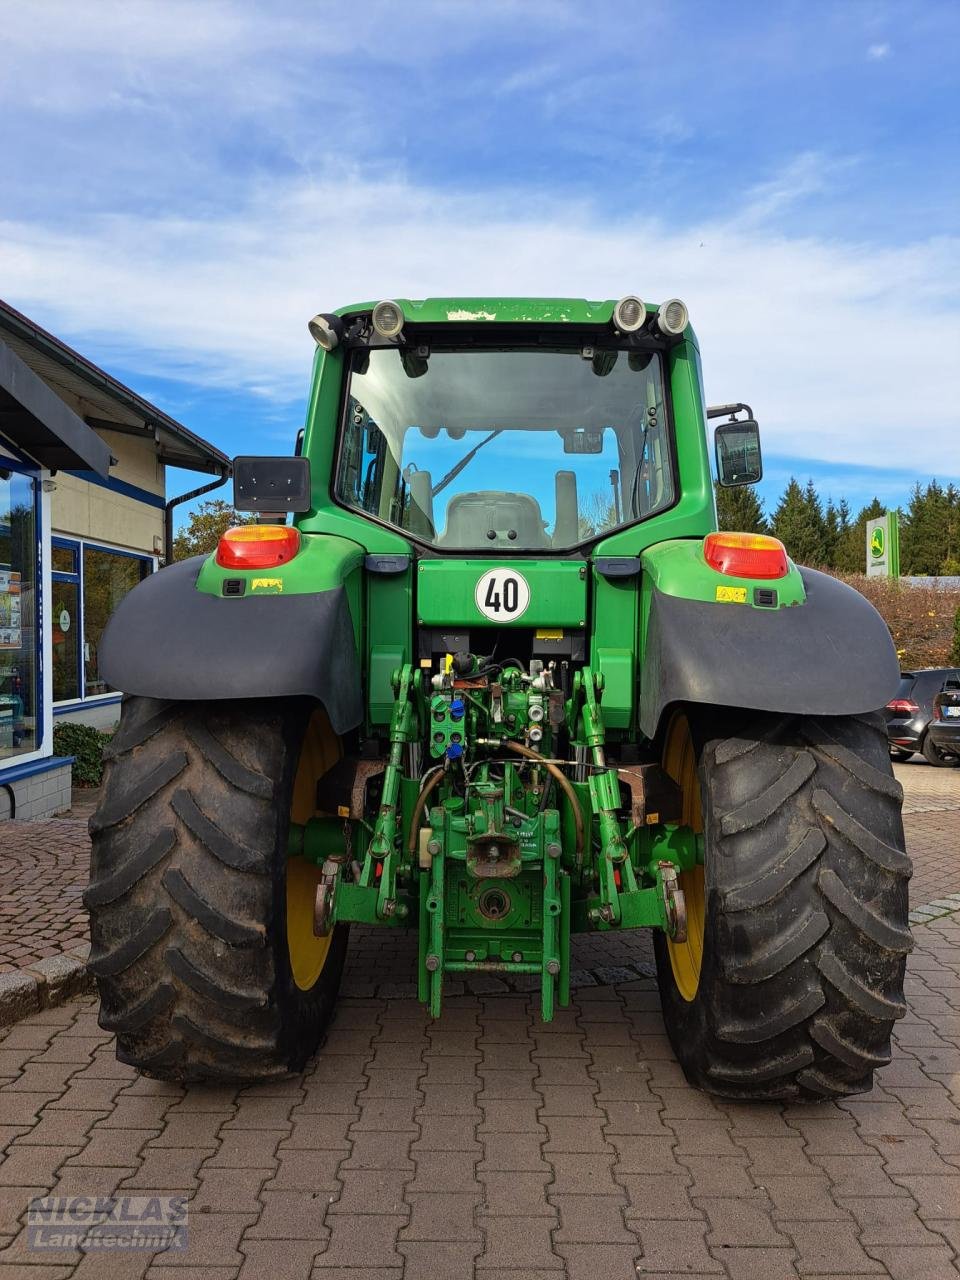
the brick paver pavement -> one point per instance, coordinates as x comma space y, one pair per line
43, 871
487, 1143
931, 817
925, 788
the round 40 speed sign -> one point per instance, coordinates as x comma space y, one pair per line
502, 595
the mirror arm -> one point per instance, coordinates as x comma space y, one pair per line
722, 410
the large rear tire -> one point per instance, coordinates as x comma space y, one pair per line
197, 918
793, 976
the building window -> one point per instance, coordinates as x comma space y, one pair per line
20, 720
63, 557
65, 619
88, 584
107, 577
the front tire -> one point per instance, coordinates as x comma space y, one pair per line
804, 933
199, 963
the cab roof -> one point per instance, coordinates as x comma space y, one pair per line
499, 310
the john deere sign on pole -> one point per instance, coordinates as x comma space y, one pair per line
883, 546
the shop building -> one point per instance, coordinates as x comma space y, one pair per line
84, 516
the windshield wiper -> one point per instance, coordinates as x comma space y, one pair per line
464, 461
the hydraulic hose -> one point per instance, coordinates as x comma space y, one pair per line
519, 749
419, 807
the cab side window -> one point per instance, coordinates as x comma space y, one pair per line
361, 461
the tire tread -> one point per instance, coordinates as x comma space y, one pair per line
807, 930
186, 893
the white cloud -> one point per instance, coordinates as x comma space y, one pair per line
846, 351
878, 52
805, 176
72, 50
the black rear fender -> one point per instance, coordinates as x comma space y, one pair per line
166, 639
831, 655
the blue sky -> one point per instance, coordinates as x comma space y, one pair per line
184, 184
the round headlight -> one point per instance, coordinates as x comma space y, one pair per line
672, 318
629, 314
326, 330
387, 319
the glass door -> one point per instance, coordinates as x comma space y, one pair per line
20, 719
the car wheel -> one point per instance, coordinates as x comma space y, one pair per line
932, 755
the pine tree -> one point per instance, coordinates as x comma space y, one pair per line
848, 557
832, 528
740, 510
910, 527
952, 550
798, 523
846, 551
789, 519
927, 531
817, 534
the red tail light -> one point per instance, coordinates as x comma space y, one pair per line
937, 713
903, 706
746, 555
258, 546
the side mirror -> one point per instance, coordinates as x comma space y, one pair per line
271, 484
738, 453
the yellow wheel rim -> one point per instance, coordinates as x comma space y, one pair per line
308, 954
680, 762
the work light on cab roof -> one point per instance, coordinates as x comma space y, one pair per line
326, 330
629, 315
672, 318
387, 319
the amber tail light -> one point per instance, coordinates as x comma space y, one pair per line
746, 555
258, 546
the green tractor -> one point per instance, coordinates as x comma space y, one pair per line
497, 678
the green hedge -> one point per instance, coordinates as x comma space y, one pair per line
85, 744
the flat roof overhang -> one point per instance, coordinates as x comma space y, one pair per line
37, 421
107, 405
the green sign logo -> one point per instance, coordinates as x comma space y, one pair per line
876, 542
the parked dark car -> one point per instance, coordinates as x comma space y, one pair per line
911, 712
944, 728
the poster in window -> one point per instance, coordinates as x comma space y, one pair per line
10, 633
